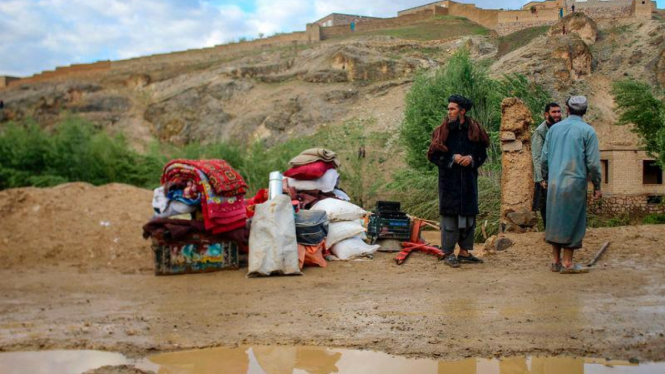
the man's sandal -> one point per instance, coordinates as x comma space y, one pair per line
575, 269
469, 259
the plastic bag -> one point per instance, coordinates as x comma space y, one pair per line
353, 247
311, 227
339, 210
272, 240
341, 195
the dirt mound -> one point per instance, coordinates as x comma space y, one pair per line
78, 224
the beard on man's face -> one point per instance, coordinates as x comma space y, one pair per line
453, 118
551, 119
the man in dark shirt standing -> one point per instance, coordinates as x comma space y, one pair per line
458, 148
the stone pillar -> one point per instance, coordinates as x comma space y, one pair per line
517, 174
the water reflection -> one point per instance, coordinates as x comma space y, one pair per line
56, 362
318, 360
306, 360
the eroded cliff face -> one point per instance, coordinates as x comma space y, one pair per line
270, 95
576, 23
275, 94
575, 63
571, 59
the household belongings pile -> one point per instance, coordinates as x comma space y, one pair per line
325, 221
212, 192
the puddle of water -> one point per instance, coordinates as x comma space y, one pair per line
69, 362
307, 360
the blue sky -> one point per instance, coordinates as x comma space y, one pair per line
37, 35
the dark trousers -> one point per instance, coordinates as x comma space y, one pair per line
540, 201
452, 234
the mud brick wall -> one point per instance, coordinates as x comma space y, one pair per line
220, 51
485, 17
509, 28
624, 204
6, 80
343, 19
62, 71
440, 4
548, 4
525, 16
378, 24
187, 56
606, 12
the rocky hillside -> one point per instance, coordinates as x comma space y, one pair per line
275, 94
587, 59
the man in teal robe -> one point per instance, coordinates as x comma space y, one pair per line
570, 155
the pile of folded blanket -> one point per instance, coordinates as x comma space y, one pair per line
209, 188
313, 177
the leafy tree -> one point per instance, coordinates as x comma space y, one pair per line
427, 102
644, 107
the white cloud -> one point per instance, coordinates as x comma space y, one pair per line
37, 35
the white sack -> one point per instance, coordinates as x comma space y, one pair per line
339, 210
338, 231
353, 247
272, 239
326, 183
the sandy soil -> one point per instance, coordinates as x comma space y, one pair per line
96, 292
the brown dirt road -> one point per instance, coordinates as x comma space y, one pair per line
71, 282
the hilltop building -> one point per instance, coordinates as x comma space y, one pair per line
340, 19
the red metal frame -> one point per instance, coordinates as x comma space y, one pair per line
415, 243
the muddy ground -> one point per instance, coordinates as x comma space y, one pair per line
64, 289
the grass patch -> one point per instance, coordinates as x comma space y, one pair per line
519, 39
610, 221
654, 219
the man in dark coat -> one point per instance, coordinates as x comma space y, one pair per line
458, 148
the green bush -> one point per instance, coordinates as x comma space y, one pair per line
654, 219
77, 151
74, 151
